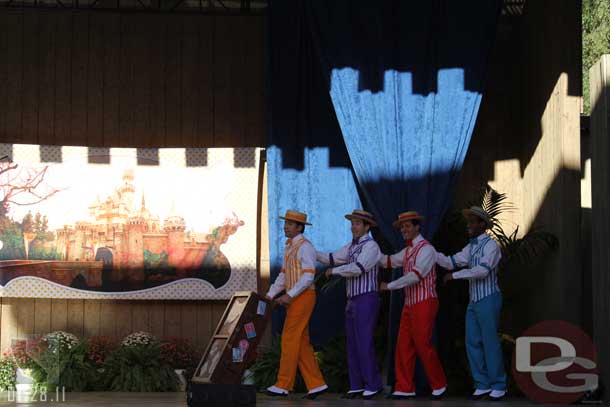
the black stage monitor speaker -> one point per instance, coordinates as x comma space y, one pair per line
220, 395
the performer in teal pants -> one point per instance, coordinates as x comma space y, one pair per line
480, 259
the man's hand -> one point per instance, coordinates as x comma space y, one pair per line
448, 277
284, 300
269, 298
384, 286
329, 273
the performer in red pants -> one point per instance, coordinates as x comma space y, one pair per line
418, 261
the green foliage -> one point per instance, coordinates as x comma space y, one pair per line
178, 353
63, 367
595, 40
8, 368
139, 368
333, 363
12, 238
528, 250
155, 260
11, 234
27, 224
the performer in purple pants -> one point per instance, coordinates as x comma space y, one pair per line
357, 263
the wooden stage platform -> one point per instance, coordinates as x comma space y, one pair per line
111, 399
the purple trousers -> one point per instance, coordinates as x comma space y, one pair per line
360, 319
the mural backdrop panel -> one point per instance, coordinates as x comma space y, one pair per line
122, 223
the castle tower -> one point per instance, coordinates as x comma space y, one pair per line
135, 242
127, 191
63, 242
175, 226
77, 252
120, 247
135, 251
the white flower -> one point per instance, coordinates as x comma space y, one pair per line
60, 340
139, 339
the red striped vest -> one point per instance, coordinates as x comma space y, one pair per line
426, 288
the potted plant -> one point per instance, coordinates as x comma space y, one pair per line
98, 350
136, 365
20, 353
180, 355
61, 362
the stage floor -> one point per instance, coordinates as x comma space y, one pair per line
111, 399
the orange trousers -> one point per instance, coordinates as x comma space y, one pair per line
296, 348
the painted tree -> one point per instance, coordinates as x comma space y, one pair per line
22, 186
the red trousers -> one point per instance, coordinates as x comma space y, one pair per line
414, 336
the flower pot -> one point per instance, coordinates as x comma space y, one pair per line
24, 386
23, 376
181, 378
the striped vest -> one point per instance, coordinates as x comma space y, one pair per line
365, 282
426, 288
292, 266
481, 288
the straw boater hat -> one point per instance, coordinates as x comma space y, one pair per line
362, 215
295, 216
479, 213
405, 216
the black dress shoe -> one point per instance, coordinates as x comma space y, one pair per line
313, 396
479, 397
490, 398
398, 397
353, 395
371, 396
438, 397
274, 394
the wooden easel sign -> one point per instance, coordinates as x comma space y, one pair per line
233, 346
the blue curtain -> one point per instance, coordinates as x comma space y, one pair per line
406, 79
308, 165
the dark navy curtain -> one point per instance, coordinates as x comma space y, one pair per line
406, 79
308, 165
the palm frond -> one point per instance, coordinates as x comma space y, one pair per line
529, 249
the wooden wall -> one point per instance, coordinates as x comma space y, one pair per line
131, 80
599, 77
527, 144
195, 320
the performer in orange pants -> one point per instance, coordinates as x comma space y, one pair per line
297, 278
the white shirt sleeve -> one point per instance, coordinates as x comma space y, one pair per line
366, 260
307, 257
425, 260
335, 258
278, 285
408, 279
489, 260
460, 259
396, 259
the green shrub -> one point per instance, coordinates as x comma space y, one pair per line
8, 368
137, 365
60, 364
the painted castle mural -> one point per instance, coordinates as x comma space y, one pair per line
119, 246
